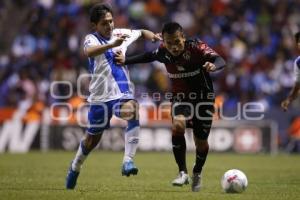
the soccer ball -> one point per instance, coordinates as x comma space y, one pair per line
234, 181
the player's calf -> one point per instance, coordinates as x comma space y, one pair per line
202, 148
85, 147
131, 144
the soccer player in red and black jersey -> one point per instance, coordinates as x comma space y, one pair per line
188, 63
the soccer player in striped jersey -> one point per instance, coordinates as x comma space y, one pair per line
111, 91
296, 89
188, 63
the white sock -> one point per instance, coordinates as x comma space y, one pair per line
80, 156
131, 143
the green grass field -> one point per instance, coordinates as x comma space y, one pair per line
42, 176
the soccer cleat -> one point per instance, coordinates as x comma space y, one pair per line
129, 168
196, 182
181, 179
71, 178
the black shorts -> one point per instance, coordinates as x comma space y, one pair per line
199, 114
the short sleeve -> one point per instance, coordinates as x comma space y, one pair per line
133, 35
204, 50
90, 41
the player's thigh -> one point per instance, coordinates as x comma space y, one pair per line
202, 121
129, 110
181, 112
99, 116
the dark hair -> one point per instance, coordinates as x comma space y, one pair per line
171, 28
98, 11
297, 37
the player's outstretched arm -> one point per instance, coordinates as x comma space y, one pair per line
100, 49
292, 96
141, 58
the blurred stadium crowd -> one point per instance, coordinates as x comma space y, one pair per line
41, 43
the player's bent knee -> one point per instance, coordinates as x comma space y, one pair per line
130, 110
131, 115
135, 111
178, 127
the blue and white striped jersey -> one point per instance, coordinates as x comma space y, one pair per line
109, 81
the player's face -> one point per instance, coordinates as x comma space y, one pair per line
105, 25
174, 43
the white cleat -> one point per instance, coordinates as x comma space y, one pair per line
181, 179
196, 182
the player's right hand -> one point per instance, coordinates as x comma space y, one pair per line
120, 40
285, 104
119, 58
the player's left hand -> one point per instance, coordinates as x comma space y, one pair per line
119, 58
209, 67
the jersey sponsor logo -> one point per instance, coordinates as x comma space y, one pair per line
184, 75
